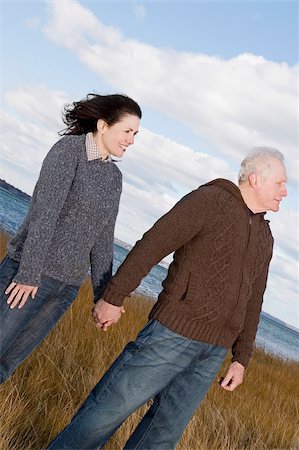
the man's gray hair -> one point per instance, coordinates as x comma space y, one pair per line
258, 161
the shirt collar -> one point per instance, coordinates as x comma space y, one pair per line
92, 150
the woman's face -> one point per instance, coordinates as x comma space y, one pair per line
115, 139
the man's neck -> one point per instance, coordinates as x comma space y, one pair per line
249, 199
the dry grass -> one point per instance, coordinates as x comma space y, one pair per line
46, 390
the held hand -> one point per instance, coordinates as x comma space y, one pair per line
19, 294
233, 377
105, 314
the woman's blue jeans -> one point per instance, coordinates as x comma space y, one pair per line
21, 330
174, 371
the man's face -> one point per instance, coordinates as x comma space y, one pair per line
271, 189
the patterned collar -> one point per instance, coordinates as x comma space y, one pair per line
92, 150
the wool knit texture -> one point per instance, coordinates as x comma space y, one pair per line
214, 288
70, 224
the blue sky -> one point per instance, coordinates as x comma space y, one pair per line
213, 79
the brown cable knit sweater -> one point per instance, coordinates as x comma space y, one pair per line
214, 288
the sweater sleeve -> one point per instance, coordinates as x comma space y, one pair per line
101, 259
55, 179
242, 348
169, 233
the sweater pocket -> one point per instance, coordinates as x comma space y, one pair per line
197, 303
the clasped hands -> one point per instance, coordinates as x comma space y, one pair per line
104, 314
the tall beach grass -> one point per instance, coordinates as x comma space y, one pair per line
46, 390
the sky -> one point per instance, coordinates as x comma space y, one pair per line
213, 78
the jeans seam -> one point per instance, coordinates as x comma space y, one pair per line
60, 289
4, 373
147, 337
107, 387
152, 422
94, 401
94, 404
205, 352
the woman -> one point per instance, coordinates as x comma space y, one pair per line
69, 226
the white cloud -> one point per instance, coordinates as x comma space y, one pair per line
42, 106
177, 168
155, 166
157, 173
27, 128
237, 103
282, 293
140, 11
285, 226
281, 298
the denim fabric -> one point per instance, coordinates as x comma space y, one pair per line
160, 364
21, 330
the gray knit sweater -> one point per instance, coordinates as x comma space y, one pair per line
70, 223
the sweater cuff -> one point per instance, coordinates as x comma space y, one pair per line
242, 358
113, 296
28, 279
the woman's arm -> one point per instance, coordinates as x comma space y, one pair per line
55, 179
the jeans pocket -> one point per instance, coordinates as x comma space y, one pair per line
147, 330
143, 336
68, 294
8, 270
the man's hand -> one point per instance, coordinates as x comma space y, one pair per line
233, 377
19, 294
105, 314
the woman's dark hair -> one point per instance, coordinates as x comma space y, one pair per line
81, 117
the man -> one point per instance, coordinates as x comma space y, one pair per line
210, 302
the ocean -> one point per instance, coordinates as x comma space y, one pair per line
273, 335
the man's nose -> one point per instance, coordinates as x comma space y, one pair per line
284, 191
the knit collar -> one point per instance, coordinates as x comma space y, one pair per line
255, 215
235, 191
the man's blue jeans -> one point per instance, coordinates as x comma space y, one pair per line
21, 330
160, 364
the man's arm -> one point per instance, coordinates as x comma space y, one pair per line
242, 348
169, 233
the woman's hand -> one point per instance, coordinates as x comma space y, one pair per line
19, 294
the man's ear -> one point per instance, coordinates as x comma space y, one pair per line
101, 125
253, 180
